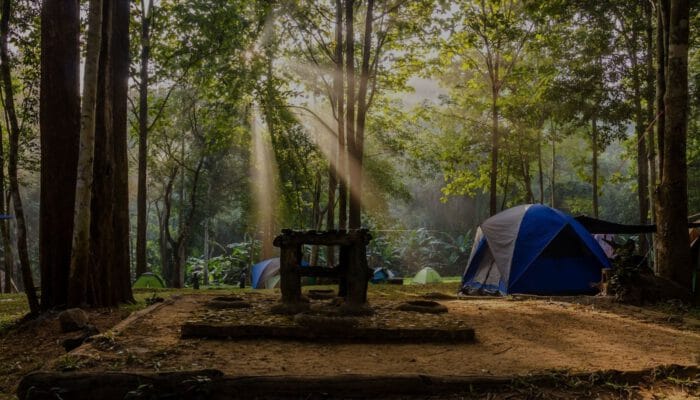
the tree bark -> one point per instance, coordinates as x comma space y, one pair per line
554, 168
10, 111
8, 260
120, 88
639, 125
102, 205
662, 22
540, 172
141, 217
355, 214
650, 115
493, 185
672, 234
353, 190
80, 256
337, 172
594, 167
59, 116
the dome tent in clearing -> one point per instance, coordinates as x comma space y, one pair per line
533, 249
149, 280
427, 275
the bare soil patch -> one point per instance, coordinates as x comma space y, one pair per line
513, 338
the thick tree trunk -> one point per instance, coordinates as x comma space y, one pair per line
80, 256
102, 205
594, 166
672, 233
14, 155
141, 217
59, 116
120, 88
353, 190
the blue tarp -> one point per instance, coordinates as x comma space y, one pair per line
534, 249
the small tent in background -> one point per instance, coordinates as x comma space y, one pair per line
382, 275
149, 280
427, 275
265, 274
533, 249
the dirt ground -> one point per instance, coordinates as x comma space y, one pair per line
513, 338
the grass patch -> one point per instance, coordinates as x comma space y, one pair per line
12, 308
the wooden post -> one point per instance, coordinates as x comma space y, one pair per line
343, 262
290, 283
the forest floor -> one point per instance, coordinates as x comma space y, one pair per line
515, 336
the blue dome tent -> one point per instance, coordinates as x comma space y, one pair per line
265, 274
533, 249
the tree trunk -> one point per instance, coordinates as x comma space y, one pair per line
141, 217
8, 260
102, 205
337, 174
540, 172
80, 256
353, 190
120, 88
662, 13
642, 171
166, 240
205, 271
650, 115
59, 118
359, 145
183, 235
493, 186
14, 155
594, 162
672, 233
554, 168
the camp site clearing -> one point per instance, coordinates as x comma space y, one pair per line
515, 336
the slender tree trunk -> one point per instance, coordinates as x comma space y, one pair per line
141, 212
642, 171
359, 145
205, 272
8, 260
180, 245
651, 117
338, 171
353, 190
662, 11
166, 242
59, 117
540, 172
554, 169
672, 233
14, 154
594, 162
80, 256
493, 186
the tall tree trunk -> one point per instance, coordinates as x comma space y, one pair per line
338, 171
180, 244
662, 22
353, 190
540, 172
672, 232
120, 88
102, 204
8, 260
166, 241
594, 167
553, 185
14, 155
639, 125
650, 115
493, 186
59, 119
80, 256
141, 217
359, 145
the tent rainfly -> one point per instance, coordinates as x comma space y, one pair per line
149, 280
427, 275
533, 249
265, 274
